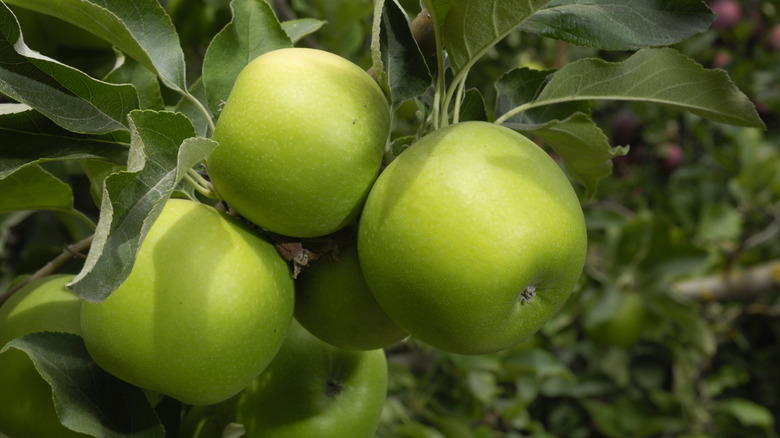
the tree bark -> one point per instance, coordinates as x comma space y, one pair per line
741, 284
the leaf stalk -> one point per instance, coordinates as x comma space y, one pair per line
200, 184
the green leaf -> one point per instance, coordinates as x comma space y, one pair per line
559, 387
616, 365
254, 30
687, 325
301, 27
483, 385
747, 412
565, 126
345, 31
234, 430
620, 25
473, 106
415, 429
377, 54
471, 27
633, 242
662, 76
727, 376
521, 86
454, 427
69, 97
88, 399
720, 223
540, 363
583, 147
139, 28
29, 137
162, 150
129, 71
407, 74
605, 416
97, 171
32, 188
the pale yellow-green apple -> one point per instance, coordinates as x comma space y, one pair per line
26, 399
301, 139
311, 389
615, 318
472, 238
333, 302
204, 310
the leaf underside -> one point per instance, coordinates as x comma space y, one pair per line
163, 149
620, 25
87, 398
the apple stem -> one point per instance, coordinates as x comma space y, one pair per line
200, 184
440, 77
202, 109
458, 99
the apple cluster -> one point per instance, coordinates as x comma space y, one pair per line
468, 241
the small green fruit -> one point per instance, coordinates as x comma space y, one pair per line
311, 389
334, 303
621, 324
203, 312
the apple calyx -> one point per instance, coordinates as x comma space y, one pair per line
333, 386
527, 294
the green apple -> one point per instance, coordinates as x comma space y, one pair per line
203, 312
301, 141
472, 238
27, 407
334, 303
615, 318
311, 389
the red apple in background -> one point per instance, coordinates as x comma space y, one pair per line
774, 37
721, 59
672, 155
729, 13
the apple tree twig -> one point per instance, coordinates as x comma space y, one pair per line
735, 284
68, 253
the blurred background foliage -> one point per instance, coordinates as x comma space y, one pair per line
645, 346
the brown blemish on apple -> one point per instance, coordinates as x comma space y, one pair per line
295, 252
